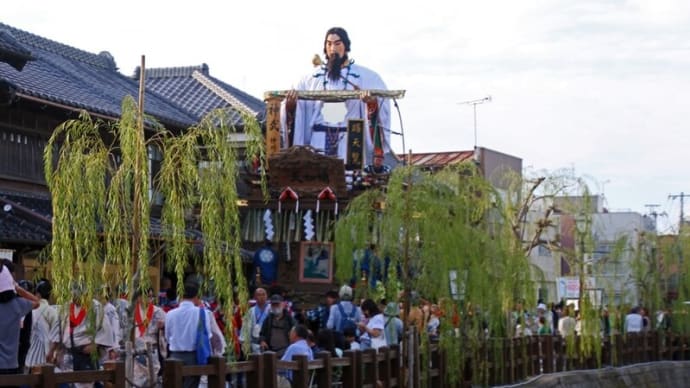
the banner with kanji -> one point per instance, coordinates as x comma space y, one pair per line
355, 144
272, 127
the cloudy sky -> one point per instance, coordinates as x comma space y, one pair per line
598, 86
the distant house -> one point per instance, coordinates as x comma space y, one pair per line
492, 164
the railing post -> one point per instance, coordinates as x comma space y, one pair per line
350, 371
324, 376
559, 353
620, 356
300, 377
416, 370
256, 377
172, 373
660, 345
270, 370
47, 373
118, 368
397, 371
385, 368
510, 360
547, 350
217, 380
637, 348
371, 370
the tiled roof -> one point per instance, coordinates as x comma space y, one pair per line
24, 218
439, 159
195, 90
75, 78
13, 52
29, 218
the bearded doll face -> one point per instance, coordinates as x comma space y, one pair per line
336, 53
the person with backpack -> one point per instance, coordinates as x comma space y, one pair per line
343, 315
393, 325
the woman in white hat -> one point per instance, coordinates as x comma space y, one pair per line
15, 303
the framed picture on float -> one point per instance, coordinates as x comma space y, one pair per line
316, 262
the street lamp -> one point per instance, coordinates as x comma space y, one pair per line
474, 104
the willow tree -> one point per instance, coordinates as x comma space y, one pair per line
447, 234
99, 180
674, 251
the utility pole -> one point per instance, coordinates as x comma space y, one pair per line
682, 197
650, 210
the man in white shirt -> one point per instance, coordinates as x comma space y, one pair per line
181, 325
633, 321
254, 319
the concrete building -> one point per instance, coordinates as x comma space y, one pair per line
605, 255
616, 242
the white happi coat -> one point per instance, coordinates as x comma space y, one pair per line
151, 336
83, 333
45, 330
308, 113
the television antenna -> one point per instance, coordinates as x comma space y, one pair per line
474, 104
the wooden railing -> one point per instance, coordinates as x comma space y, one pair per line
509, 361
358, 370
112, 375
505, 361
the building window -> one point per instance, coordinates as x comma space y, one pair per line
543, 251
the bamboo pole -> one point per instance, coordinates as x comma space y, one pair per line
136, 221
136, 224
406, 280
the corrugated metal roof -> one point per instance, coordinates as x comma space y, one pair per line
438, 159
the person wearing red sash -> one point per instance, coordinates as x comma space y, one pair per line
85, 334
149, 320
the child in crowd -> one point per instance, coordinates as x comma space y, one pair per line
351, 338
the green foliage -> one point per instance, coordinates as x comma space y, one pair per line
78, 184
677, 268
103, 191
435, 225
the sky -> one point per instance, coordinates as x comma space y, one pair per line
600, 87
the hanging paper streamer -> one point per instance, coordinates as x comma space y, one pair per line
288, 194
326, 194
308, 226
268, 225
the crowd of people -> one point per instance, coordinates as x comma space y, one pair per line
565, 319
81, 336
